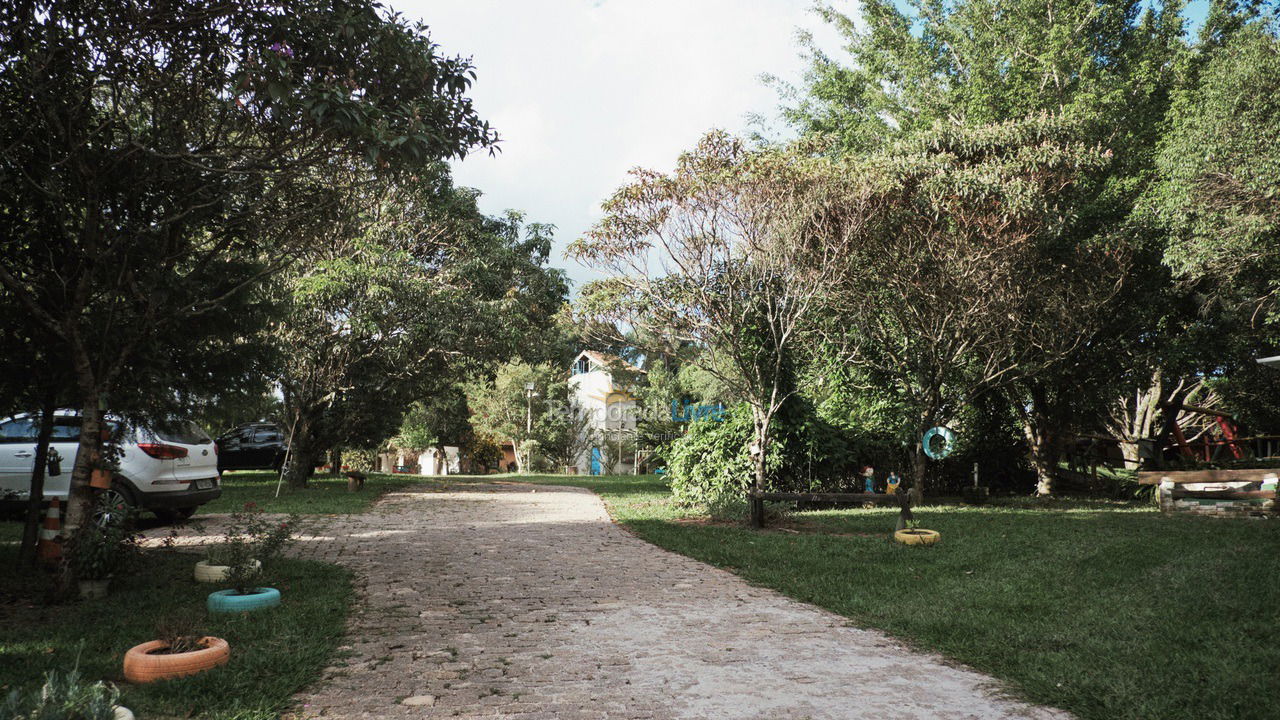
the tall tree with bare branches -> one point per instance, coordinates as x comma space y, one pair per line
958, 283
724, 253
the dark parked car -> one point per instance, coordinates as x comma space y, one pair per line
256, 446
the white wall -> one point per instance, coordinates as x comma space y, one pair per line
590, 392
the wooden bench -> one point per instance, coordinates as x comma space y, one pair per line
1170, 488
758, 499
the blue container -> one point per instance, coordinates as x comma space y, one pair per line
226, 601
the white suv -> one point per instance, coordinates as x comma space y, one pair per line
170, 470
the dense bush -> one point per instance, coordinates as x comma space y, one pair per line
711, 467
710, 462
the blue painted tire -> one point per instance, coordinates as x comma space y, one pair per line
948, 442
226, 601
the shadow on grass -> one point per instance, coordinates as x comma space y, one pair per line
275, 652
1109, 610
324, 494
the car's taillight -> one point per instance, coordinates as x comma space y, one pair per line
160, 451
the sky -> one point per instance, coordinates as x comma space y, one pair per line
581, 91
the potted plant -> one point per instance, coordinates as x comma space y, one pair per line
97, 552
177, 651
105, 464
66, 696
908, 530
216, 567
251, 542
913, 534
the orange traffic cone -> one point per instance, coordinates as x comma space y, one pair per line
49, 549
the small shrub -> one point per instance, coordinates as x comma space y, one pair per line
97, 552
251, 536
64, 696
178, 632
362, 459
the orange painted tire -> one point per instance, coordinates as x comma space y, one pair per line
140, 666
917, 537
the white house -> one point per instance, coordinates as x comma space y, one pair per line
427, 462
610, 409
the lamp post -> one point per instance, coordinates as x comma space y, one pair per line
528, 408
529, 395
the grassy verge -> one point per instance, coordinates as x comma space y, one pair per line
274, 653
325, 495
1108, 610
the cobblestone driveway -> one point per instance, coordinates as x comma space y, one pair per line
526, 602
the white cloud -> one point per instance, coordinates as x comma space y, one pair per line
581, 92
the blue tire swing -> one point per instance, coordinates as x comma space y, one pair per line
938, 442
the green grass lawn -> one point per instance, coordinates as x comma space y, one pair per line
274, 653
1108, 610
325, 494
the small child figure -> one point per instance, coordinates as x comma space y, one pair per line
893, 482
869, 477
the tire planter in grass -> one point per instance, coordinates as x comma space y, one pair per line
207, 573
227, 601
142, 664
917, 537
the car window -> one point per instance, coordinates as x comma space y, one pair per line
66, 428
264, 435
22, 429
183, 432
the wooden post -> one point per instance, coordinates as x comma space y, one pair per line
757, 511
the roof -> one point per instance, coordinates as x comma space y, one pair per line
606, 360
1273, 361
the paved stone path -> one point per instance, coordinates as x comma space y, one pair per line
514, 601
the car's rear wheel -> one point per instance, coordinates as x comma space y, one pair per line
115, 504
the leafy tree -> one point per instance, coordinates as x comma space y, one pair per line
438, 420
417, 287
507, 408
711, 466
1109, 69
566, 435
161, 159
938, 239
976, 62
720, 254
1219, 168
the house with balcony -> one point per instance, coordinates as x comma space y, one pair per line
598, 389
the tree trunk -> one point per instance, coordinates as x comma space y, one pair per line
335, 462
1043, 454
518, 455
81, 498
444, 460
302, 463
31, 524
1131, 450
760, 451
918, 465
760, 464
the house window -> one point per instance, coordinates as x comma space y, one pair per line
582, 366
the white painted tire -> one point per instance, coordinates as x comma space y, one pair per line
207, 573
121, 713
